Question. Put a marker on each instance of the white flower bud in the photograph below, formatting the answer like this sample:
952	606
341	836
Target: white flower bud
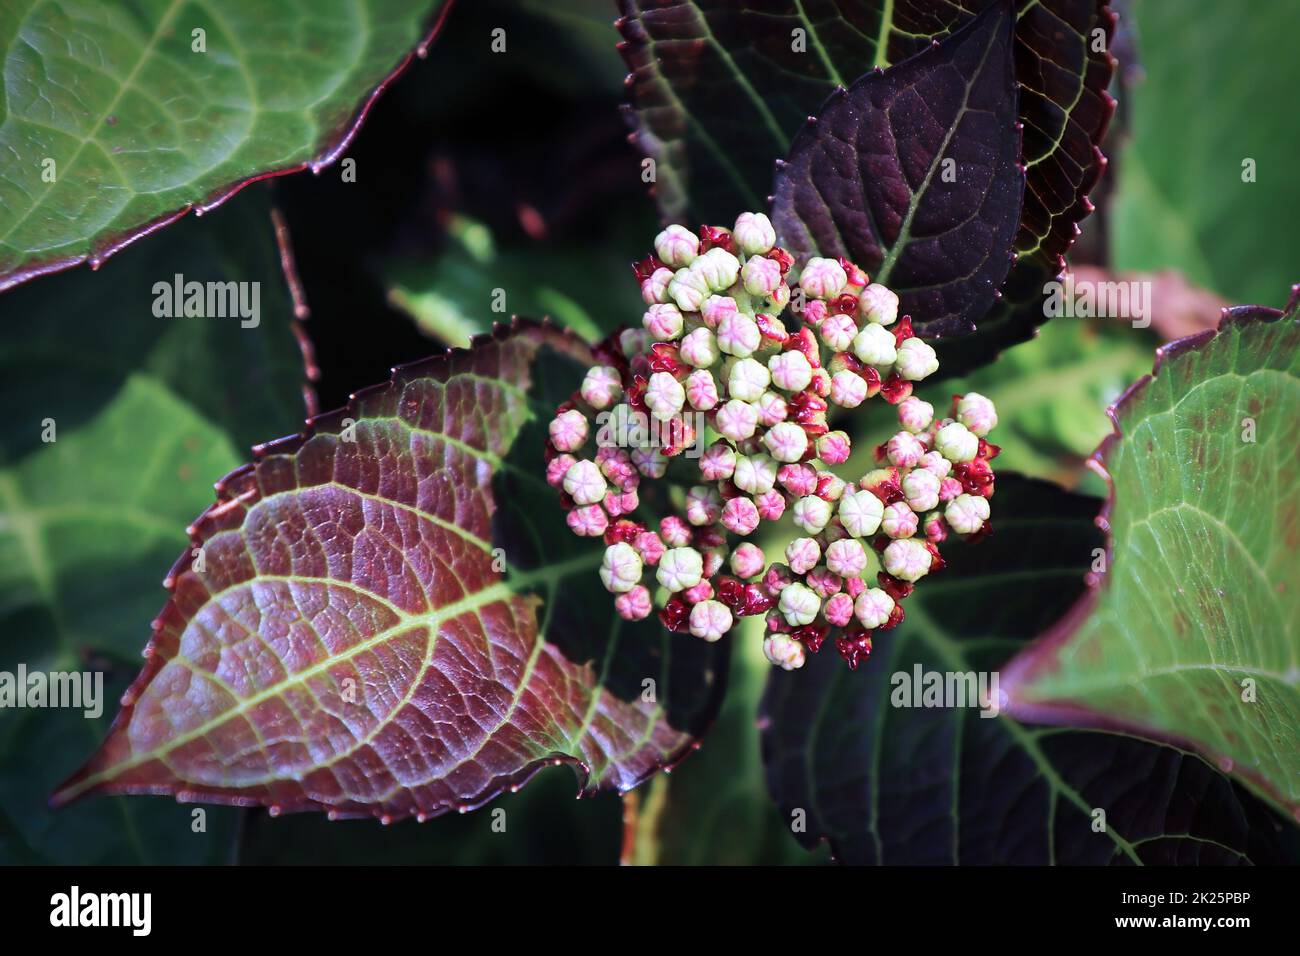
848	388
791	370
738	335
846	557
688	289
679	569
755	474
802	554
977	413
761	276
873	607
906	559
921	489
823	278
602	387
812	513
584	483
772	409
701	390
703	505
718	267
799	605
838	332
875	345
915	414
784	651
904	450
736	420
710	620
878	305
748	380
860	513
664	396
956	443
663	321
677	246
620	569
916	360
753	233
966	514
786	441
699	348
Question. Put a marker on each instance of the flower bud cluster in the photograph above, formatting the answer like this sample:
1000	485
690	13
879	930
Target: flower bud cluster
721	399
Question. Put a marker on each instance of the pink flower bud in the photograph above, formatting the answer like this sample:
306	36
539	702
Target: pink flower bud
710	620
676	246
650	548
772	408
823	278
664	396
747	560
703	505
589	521
830	487
899	521
716	308
663	321
675	532
799	480
771	505
655	288
846	557
568	430
802	554
878	305
602	387
977	413
949	488
738	335
834	448
699	348
718	462
740	515
760	276
936	464
838	332
904	450
823	582
838	609
688	289
633	342
556	469
634	605
701	390
777	579
936	529
701	592
915	415
815	312
713	562
873	608
650	462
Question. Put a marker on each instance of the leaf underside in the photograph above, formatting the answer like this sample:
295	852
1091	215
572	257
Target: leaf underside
114	122
914	174
355	641
1198	610
885	784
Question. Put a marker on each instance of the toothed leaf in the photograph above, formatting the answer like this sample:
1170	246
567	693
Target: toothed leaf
117	118
1191	633
388	624
887	784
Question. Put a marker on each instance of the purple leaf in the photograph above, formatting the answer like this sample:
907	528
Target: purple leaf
914	173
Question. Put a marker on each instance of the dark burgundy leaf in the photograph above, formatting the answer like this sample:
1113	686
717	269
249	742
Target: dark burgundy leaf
930	785
914	174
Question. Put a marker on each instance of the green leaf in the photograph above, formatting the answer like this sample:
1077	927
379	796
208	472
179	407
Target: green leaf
891	784
143	410
1192	634
119	118
388	622
1182	200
